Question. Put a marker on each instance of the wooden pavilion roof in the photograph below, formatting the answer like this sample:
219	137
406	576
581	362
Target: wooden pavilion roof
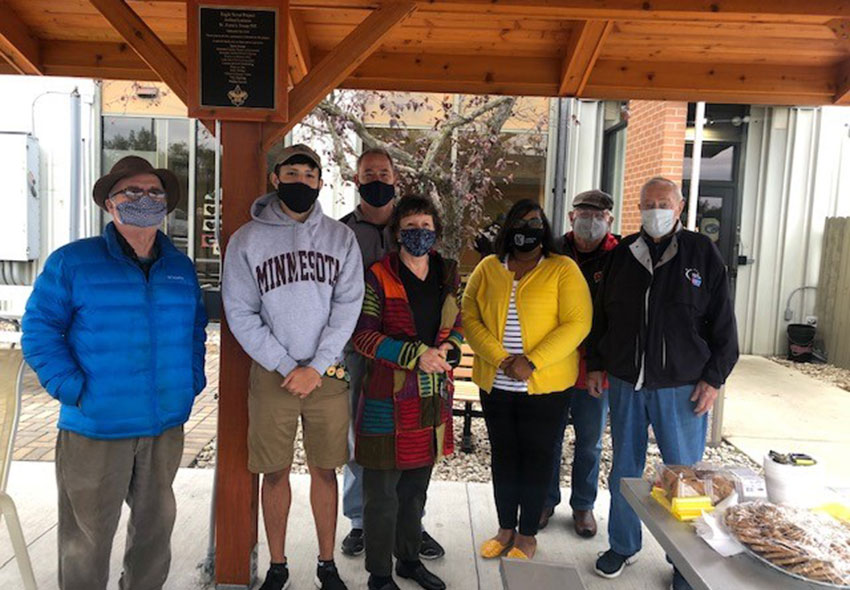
746	51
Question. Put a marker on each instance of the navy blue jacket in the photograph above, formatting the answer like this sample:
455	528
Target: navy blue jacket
664	325
123	353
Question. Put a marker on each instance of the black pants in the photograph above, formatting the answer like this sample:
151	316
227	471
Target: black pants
523	430
393	502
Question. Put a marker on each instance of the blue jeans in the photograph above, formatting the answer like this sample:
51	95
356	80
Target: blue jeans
680	435
589	415
352	473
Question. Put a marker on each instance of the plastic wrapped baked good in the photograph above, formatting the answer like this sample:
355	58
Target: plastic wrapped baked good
802	543
703	479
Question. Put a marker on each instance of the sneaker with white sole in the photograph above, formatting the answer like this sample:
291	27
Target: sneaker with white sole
611	564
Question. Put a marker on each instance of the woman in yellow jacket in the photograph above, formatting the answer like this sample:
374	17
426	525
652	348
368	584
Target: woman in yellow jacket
526	310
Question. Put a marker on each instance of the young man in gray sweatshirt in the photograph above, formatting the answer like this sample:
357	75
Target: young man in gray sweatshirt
292	290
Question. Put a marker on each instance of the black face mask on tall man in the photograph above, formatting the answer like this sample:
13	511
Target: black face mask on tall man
377	193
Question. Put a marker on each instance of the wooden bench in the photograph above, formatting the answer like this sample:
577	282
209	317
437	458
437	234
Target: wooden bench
466	392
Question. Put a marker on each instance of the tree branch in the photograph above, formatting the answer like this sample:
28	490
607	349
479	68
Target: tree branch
459	120
370	141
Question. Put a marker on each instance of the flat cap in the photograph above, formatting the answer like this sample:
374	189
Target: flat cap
594	198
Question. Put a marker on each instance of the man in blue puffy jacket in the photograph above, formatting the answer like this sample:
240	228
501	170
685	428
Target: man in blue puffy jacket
115	331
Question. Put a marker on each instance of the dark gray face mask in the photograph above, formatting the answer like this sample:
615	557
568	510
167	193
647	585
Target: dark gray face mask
143	212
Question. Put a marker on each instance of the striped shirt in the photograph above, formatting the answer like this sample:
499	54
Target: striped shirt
512	341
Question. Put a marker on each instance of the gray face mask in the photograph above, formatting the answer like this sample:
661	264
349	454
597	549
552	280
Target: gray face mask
143	212
590	229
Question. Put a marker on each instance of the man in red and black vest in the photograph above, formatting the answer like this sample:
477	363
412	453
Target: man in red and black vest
588	244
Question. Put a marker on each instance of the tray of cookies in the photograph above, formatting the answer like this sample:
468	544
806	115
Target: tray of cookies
804	544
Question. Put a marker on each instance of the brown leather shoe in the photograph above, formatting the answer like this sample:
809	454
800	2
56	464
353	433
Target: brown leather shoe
547	513
585	523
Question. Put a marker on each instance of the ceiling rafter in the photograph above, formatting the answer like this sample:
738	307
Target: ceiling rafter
17	44
582	52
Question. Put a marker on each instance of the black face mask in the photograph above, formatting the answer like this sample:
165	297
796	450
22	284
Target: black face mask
297	196
525	239
377	193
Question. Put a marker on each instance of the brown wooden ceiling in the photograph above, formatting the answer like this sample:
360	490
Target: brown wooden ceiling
749	51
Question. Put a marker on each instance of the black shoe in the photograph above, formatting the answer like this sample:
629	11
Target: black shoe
277	578
327	578
374	584
430	549
417	572
611	564
679	581
352	544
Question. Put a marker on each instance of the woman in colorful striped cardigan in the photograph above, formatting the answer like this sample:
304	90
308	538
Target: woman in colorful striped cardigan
410	331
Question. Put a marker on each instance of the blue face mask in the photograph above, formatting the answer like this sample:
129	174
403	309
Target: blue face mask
418	241
143	212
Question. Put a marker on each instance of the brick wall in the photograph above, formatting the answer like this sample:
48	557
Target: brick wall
655	146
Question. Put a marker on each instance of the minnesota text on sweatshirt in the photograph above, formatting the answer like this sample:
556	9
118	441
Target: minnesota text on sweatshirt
292	291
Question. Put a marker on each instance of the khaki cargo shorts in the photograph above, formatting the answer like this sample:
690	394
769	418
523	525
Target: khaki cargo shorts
273	416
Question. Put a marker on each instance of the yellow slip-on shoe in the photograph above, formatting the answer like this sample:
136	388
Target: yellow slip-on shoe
515	553
492	549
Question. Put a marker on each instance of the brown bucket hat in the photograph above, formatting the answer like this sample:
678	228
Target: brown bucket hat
130	166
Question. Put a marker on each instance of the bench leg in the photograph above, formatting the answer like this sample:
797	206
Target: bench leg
467	445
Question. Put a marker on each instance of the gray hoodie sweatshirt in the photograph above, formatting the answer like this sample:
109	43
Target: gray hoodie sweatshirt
292	291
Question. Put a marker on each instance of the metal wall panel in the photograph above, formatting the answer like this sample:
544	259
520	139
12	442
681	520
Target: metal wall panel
796	174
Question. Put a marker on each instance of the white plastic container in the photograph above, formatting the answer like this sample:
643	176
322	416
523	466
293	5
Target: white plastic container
794	485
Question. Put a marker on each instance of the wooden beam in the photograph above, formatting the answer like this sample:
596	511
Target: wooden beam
457	73
339	63
17	44
243	175
582	53
781	11
736	83
842	94
299	48
144	41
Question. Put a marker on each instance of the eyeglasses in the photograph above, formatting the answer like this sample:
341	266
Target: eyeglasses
590	214
533	223
134	193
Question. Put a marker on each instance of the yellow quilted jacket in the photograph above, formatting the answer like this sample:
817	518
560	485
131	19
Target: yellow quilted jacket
555	311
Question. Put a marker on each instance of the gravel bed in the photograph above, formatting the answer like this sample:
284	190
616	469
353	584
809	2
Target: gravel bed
475	466
820	371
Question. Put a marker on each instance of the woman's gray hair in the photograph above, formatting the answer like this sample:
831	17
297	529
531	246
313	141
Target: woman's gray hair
661	181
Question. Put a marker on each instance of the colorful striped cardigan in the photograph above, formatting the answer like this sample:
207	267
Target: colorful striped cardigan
404	420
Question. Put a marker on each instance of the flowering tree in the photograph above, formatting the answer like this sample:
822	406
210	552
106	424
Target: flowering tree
461	160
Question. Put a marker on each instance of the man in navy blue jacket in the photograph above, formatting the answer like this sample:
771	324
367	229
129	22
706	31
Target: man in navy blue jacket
664	330
115	330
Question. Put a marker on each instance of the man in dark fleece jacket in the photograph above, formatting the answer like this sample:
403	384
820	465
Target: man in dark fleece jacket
664	330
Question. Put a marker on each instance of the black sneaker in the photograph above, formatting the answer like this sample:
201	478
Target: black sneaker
382	583
277	578
352	544
679	582
611	564
430	549
327	578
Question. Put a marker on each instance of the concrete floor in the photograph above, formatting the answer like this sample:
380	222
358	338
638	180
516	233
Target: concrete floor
772	407
460	515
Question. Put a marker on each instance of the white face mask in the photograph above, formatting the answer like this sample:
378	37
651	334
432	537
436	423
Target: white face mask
590	229
658	222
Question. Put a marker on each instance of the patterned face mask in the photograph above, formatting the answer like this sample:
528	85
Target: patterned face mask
418	241
143	212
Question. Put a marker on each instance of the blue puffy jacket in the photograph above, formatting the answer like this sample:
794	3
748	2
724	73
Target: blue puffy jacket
123	353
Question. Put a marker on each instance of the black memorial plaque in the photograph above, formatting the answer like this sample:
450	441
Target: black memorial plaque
238	57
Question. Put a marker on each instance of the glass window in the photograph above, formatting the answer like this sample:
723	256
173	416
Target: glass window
207	253
718	162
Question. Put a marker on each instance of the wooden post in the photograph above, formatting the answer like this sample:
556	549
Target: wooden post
243	170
